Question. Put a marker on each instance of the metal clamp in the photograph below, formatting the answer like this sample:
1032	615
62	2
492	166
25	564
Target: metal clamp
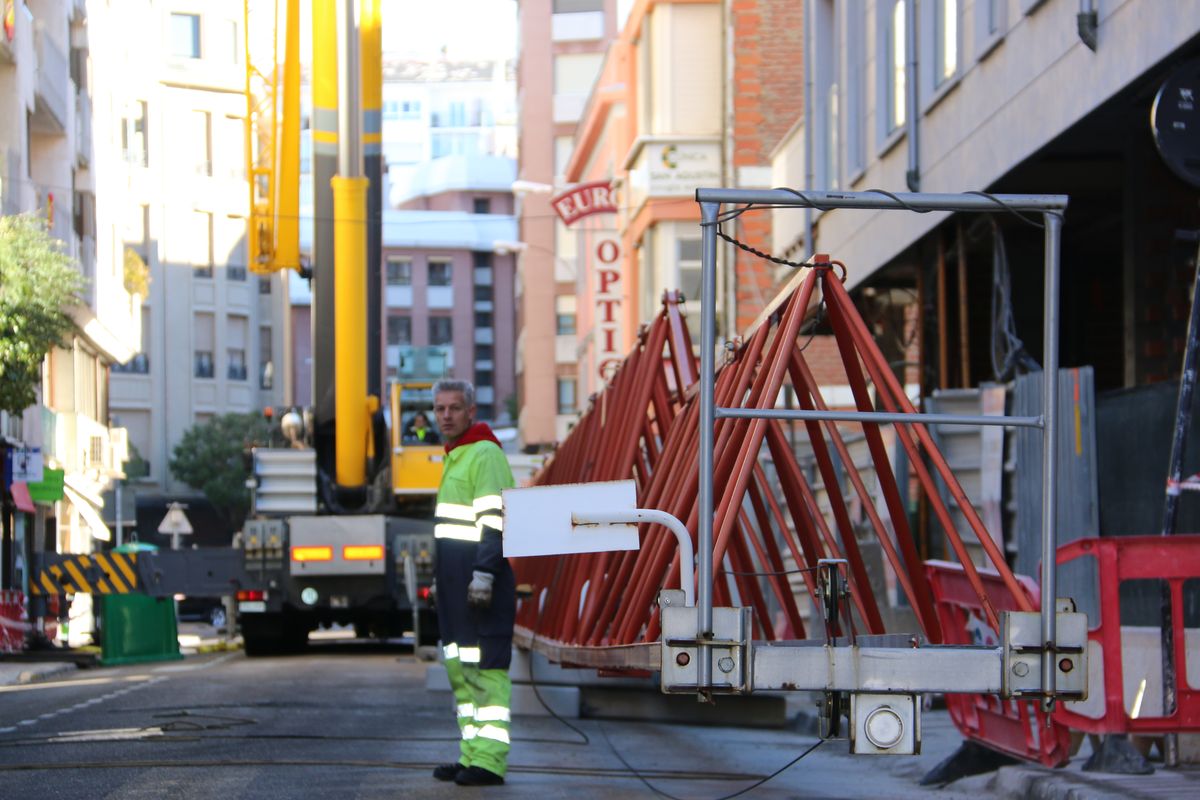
727	650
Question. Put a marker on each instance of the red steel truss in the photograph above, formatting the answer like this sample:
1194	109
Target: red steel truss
644	426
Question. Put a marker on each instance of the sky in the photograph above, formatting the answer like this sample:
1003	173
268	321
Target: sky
421	28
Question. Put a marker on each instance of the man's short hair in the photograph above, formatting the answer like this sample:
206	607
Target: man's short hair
468	391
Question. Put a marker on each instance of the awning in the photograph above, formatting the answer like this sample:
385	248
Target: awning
90	514
20	496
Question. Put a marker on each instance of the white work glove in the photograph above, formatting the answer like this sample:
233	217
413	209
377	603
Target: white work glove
479	592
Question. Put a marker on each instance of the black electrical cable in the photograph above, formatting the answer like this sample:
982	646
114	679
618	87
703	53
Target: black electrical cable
738	793
604	733
537	624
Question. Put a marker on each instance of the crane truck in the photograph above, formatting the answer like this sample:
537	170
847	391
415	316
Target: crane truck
341	522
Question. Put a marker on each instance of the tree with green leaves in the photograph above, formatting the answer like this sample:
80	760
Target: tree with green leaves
38	283
211	457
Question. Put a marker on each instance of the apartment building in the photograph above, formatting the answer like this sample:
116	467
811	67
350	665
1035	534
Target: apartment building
1052	96
448	274
212	332
449	138
562	50
1064	97
69	445
442	108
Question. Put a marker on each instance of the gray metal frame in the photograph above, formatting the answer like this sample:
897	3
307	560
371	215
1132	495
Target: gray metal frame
1050	207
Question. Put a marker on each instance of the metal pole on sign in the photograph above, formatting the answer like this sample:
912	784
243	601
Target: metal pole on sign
1183	419
1053	222
708	336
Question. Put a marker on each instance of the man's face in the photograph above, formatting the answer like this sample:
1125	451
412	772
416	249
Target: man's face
453	414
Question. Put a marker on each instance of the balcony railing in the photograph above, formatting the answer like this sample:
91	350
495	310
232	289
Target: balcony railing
53	80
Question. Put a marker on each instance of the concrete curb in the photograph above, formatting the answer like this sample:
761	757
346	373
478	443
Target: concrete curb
1036	783
14	674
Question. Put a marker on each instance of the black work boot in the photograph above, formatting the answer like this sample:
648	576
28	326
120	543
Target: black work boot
448	772
478	776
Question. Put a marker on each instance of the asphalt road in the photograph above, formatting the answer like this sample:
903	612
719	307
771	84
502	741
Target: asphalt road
348	720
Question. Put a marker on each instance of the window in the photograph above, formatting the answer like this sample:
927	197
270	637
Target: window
690	267
138	365
827	116
440	331
264	284
564	315
399	271
185	35
483	352
236	370
481	205
991	20
236	273
484	377
202	241
483	319
231	43
266	359
203	364
566	395
133	134
892	74
203	336
574	73
440	273
945	40
399	330
483	294
204	142
855	80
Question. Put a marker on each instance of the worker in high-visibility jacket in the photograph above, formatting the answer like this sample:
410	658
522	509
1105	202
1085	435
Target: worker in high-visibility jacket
476	593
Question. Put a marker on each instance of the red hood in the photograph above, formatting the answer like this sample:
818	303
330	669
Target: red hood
479	432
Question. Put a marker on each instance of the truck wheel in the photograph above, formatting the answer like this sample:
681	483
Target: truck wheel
262	637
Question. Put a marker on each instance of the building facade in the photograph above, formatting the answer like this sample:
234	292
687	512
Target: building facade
50	166
448	278
1017	96
212	332
688	94
562	46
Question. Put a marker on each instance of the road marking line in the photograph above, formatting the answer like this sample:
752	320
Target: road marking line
145	680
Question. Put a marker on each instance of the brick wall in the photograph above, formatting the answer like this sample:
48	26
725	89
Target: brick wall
768	83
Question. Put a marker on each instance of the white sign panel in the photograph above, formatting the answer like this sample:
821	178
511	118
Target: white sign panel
27	464
676	169
537	519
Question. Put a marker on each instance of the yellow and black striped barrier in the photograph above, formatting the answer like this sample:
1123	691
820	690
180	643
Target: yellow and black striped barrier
94	573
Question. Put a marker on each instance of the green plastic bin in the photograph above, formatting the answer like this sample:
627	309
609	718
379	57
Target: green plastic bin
135	627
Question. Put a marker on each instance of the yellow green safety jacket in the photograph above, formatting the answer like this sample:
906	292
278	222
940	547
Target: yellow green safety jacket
469	528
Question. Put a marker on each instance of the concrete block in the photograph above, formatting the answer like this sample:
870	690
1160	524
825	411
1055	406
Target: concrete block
547	673
564	700
436	679
747	711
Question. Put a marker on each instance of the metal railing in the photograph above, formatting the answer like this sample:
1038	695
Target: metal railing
1050	207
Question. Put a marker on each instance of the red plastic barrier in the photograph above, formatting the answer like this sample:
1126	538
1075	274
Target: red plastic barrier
13	621
1174	559
1015	727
